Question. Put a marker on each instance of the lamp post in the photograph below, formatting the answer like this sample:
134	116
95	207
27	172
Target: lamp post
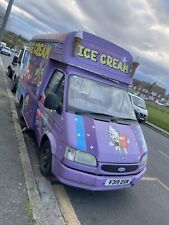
150	89
5	19
134	68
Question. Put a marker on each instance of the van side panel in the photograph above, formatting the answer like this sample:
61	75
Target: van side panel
34	70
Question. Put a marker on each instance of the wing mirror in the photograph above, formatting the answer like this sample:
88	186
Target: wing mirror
52	101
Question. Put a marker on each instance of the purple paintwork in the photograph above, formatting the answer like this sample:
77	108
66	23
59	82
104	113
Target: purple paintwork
77	178
112	144
97	136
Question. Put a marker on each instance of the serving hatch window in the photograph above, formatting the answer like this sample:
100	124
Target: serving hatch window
89	95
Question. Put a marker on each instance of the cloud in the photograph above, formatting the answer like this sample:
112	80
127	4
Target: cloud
141	26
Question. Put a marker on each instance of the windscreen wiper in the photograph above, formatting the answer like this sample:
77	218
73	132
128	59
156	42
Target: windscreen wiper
129	119
126	121
103	115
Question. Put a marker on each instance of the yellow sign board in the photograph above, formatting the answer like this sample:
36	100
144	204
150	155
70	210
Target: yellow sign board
40	49
104	59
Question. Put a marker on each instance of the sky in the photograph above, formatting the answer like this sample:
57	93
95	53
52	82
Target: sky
140	26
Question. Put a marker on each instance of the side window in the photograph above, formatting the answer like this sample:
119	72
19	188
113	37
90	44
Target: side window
25	56
25	65
56	86
54	82
20	55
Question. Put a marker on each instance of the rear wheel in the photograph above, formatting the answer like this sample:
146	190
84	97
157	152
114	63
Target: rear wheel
15	85
45	159
10	72
21	118
20	108
13	88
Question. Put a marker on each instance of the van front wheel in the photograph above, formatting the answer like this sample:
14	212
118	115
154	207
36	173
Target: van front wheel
45	159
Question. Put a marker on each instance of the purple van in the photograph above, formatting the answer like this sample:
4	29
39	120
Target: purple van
73	95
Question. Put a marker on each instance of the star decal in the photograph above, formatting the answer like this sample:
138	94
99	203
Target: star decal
110	143
124	59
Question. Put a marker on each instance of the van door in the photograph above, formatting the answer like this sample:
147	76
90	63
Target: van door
51	120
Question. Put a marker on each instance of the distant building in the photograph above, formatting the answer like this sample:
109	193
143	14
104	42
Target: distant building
149	91
167	100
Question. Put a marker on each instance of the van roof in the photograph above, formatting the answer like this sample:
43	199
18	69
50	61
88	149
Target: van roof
95	54
50	37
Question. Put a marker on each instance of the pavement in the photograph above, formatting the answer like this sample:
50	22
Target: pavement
13	194
21	201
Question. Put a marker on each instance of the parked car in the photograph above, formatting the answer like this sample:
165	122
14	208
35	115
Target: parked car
6	51
14	50
2	44
15	68
159	103
139	107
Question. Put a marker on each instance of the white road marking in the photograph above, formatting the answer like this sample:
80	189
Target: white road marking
164	154
162	184
149	178
157	180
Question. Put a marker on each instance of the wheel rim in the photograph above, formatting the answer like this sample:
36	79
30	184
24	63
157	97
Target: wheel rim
45	158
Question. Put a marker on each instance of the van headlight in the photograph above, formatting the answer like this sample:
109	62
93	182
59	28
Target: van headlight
80	157
144	160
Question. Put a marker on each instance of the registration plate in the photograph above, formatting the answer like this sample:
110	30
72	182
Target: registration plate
111	182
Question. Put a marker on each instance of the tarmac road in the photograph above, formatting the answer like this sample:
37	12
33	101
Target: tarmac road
145	204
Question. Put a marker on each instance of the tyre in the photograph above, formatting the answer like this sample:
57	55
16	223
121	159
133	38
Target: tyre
13	89
10	72
45	159
15	85
20	108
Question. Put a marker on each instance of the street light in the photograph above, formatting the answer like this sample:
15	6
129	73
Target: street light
5	19
150	89
134	68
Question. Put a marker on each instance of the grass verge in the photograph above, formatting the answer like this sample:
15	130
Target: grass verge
28	210
159	116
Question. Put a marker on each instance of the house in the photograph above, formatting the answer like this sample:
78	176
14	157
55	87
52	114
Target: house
150	91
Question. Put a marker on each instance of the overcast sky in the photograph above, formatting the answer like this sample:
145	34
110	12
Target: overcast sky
140	26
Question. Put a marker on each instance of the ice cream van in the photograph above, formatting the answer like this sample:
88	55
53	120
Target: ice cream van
73	94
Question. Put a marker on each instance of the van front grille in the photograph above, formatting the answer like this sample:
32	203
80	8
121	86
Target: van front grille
119	168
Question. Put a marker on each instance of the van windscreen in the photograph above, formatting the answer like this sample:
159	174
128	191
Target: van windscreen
97	97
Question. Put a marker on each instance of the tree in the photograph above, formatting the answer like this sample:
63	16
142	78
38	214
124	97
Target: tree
14	40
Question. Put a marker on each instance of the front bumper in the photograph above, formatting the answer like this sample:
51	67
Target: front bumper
88	181
141	116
